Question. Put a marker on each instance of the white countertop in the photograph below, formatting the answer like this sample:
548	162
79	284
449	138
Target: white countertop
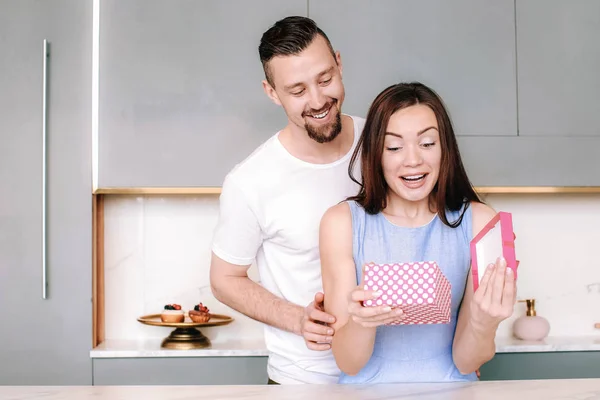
550	344
151	348
493	390
256	347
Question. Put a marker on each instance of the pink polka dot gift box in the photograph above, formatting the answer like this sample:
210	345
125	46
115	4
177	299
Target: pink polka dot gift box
420	289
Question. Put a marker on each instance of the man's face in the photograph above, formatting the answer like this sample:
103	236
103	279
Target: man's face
309	88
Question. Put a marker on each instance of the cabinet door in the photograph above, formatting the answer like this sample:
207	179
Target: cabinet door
527	161
549	365
181	371
558	48
463	49
181	100
45	341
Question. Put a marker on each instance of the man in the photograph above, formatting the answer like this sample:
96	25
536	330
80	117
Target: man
272	202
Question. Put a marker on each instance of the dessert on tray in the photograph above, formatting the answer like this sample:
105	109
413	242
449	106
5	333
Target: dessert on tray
172	313
200	313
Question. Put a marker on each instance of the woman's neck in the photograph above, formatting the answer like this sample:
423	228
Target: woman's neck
408	213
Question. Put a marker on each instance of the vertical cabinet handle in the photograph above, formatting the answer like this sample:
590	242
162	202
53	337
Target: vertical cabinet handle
44	193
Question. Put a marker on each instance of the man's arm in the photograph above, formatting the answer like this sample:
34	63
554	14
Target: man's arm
231	286
237	238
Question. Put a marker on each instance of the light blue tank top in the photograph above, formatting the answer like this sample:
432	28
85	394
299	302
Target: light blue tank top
413	353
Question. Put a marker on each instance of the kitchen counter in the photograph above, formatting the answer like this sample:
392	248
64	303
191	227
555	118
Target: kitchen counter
550	344
541	389
255	347
151	348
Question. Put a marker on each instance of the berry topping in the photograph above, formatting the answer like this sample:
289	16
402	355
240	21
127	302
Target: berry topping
201	307
172	307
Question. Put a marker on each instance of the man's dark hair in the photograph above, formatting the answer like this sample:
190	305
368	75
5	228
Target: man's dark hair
287	37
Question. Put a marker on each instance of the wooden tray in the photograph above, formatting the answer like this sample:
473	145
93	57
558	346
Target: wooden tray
215	320
185	336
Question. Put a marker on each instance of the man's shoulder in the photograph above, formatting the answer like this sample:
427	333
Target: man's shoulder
256	162
359	122
256	170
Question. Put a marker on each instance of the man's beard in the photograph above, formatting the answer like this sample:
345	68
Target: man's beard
327	133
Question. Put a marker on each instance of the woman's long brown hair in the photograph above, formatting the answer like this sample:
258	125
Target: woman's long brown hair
453	188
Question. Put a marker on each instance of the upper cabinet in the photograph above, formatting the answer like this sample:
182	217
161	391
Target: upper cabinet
180	93
463	49
531	160
181	100
558	64
558	48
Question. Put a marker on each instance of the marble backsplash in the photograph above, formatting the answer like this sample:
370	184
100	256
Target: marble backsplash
157	251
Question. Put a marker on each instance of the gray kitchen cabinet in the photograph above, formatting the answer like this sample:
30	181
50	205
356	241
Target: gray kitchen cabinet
548	365
252	370
180	93
181	371
531	160
45	341
463	49
558	53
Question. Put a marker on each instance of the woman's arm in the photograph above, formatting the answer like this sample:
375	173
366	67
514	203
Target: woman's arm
481	312
355	325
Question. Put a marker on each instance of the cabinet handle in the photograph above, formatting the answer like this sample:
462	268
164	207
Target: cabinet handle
44	192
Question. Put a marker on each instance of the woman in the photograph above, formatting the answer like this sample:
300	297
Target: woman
415	204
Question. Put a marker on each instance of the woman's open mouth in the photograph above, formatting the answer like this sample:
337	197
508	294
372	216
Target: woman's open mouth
414	181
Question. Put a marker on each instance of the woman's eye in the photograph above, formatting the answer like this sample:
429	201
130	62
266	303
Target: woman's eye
426	145
393	148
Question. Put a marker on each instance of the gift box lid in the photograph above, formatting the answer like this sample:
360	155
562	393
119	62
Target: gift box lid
496	239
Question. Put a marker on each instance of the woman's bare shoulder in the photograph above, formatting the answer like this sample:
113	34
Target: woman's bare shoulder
337	213
482	214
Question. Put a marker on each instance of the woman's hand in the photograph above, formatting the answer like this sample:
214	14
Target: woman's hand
494	300
370	317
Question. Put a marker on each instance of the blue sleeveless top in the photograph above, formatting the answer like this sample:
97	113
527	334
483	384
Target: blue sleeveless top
413	353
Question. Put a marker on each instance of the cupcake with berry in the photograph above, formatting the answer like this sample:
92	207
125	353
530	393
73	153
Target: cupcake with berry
200	313
172	313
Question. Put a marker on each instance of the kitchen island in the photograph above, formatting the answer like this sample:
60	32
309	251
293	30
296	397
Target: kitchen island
493	390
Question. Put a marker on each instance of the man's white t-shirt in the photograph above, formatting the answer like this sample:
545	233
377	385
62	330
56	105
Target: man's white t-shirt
271	206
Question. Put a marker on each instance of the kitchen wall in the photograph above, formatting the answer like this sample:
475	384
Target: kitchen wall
157	251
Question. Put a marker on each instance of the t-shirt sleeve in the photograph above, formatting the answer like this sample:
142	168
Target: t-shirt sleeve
237	236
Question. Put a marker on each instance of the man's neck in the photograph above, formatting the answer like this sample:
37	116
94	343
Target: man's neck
300	145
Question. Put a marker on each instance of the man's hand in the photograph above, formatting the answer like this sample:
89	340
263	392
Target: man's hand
314	325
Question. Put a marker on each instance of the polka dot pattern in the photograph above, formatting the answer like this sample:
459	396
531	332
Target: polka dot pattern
420	289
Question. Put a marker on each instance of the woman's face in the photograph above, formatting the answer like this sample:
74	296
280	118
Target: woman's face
412	153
